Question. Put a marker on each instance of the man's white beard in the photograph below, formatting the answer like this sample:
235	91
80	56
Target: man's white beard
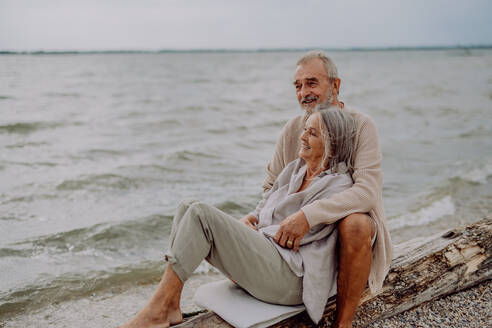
311	109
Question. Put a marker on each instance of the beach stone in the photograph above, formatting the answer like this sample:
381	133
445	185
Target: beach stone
471	308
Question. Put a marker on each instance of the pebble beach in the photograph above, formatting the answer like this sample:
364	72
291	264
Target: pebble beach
470	308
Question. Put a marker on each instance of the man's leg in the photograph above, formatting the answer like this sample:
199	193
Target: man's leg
355	233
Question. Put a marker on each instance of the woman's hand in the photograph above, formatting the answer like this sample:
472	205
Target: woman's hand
250	221
291	231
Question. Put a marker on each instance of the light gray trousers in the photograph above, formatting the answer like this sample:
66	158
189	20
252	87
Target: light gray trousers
201	231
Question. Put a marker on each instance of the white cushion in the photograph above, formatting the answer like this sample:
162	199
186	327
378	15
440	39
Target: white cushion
239	308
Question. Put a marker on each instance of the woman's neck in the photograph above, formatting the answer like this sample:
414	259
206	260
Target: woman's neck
312	170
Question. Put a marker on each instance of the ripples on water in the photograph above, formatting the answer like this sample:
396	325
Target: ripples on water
97	151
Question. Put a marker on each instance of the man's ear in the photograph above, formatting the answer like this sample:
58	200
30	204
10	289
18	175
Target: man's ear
336	84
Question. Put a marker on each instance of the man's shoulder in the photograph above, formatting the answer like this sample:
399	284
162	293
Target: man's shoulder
357	113
293	126
360	117
295	122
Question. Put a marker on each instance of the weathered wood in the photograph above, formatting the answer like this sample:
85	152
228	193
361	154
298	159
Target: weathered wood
205	320
422	270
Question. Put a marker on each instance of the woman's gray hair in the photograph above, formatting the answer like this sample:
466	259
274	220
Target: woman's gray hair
338	128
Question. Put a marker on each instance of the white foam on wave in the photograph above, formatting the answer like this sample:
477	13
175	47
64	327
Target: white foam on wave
479	175
425	215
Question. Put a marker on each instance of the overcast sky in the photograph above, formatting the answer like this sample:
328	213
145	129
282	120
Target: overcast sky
234	24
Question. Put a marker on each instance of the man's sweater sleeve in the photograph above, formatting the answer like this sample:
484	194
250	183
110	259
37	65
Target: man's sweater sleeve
286	150
275	166
367	176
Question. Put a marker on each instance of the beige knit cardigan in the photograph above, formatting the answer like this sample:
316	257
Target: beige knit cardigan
365	196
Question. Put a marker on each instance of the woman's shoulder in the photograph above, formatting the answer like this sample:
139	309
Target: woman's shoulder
294	166
338	174
333	183
291	169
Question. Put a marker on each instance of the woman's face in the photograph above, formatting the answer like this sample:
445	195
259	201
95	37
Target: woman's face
312	142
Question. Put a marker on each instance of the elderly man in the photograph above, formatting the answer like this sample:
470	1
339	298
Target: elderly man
365	249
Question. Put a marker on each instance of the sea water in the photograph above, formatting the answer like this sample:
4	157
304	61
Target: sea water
96	151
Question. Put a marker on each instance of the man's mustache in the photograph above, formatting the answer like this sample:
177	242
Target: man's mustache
308	99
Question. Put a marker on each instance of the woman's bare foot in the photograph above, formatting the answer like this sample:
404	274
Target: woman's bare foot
153	317
163	309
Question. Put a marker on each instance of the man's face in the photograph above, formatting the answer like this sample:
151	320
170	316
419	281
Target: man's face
312	84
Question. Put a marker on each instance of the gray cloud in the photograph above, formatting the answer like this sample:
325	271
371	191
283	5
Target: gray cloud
152	24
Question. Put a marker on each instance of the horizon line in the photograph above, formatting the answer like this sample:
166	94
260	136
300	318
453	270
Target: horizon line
246	50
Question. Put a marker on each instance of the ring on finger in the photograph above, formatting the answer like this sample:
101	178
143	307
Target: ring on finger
289	243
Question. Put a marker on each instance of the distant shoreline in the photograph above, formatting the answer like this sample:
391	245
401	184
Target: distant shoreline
260	50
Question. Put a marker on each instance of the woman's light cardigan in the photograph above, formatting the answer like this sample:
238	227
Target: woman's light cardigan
316	259
365	196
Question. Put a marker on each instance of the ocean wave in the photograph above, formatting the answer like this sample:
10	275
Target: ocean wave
151	101
150	168
480	131
49	290
194	108
100	239
233	207
466	181
32	164
479	174
72	286
8	218
23	144
27	198
467	173
10	252
27	127
99	153
187	155
96	154
425	215
157	125
101	182
106	238
62	94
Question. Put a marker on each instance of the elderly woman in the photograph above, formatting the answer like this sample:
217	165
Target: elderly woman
257	252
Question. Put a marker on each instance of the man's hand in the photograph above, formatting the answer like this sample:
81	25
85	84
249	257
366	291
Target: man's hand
250	221
291	231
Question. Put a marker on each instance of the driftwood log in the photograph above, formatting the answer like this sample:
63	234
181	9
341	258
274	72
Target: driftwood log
423	269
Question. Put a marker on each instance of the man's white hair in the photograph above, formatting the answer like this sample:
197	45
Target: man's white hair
331	69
